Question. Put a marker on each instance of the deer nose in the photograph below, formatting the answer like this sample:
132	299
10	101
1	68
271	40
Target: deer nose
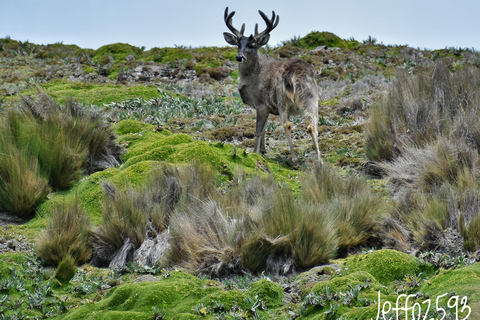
240	58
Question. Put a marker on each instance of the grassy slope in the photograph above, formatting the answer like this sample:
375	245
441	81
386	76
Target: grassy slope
341	143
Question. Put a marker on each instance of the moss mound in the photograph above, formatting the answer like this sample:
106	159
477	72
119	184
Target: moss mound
316	38
118	51
180	296
270	292
385	265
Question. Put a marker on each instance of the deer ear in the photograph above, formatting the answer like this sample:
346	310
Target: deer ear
230	38
263	39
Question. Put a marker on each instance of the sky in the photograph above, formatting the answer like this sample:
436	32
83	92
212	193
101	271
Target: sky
162	23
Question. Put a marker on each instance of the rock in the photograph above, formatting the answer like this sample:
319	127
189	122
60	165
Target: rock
152	250
122	256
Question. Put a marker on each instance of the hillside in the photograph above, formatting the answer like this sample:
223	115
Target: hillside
141	161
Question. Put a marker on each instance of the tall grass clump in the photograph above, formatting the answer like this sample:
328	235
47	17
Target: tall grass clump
66	235
124	222
57	143
22	188
130	215
422	107
348	201
205	240
430	122
284	228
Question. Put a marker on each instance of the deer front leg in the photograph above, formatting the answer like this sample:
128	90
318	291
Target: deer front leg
262	118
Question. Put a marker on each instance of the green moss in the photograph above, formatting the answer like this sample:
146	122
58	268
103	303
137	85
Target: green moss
96	94
177	295
345	283
385	265
132	126
316	38
270	292
118	51
463	281
89	69
165	55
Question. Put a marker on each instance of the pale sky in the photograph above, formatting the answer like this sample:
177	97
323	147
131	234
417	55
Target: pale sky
161	23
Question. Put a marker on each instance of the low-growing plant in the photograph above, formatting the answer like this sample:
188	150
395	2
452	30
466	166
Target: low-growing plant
205	240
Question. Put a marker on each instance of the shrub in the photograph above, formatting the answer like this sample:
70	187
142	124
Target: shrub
44	140
66	235
67	269
289	228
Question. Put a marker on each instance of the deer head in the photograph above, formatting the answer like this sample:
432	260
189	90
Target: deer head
248	46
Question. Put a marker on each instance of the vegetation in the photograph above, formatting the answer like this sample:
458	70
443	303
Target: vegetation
50	143
430	138
109	181
65	236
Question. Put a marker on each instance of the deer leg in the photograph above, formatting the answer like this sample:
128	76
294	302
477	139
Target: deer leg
288	130
313	126
288	133
262	118
313	130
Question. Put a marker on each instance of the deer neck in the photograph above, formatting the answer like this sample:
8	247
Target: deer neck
251	68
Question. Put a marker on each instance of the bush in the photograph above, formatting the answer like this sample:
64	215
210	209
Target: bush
289	228
66	235
205	240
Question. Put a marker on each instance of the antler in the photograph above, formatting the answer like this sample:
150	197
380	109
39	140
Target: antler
271	24
228	22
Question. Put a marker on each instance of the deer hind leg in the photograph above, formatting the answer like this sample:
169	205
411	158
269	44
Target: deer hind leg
288	129
288	133
313	129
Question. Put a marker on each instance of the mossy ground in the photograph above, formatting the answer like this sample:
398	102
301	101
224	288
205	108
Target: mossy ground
178	295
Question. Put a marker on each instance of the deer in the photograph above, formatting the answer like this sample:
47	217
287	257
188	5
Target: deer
280	87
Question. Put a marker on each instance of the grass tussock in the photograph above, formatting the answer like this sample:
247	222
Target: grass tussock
348	201
124	220
428	124
22	188
57	143
205	240
66	236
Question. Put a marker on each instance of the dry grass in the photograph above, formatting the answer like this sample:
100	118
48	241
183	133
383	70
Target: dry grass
124	219
348	201
66	236
205	241
426	133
